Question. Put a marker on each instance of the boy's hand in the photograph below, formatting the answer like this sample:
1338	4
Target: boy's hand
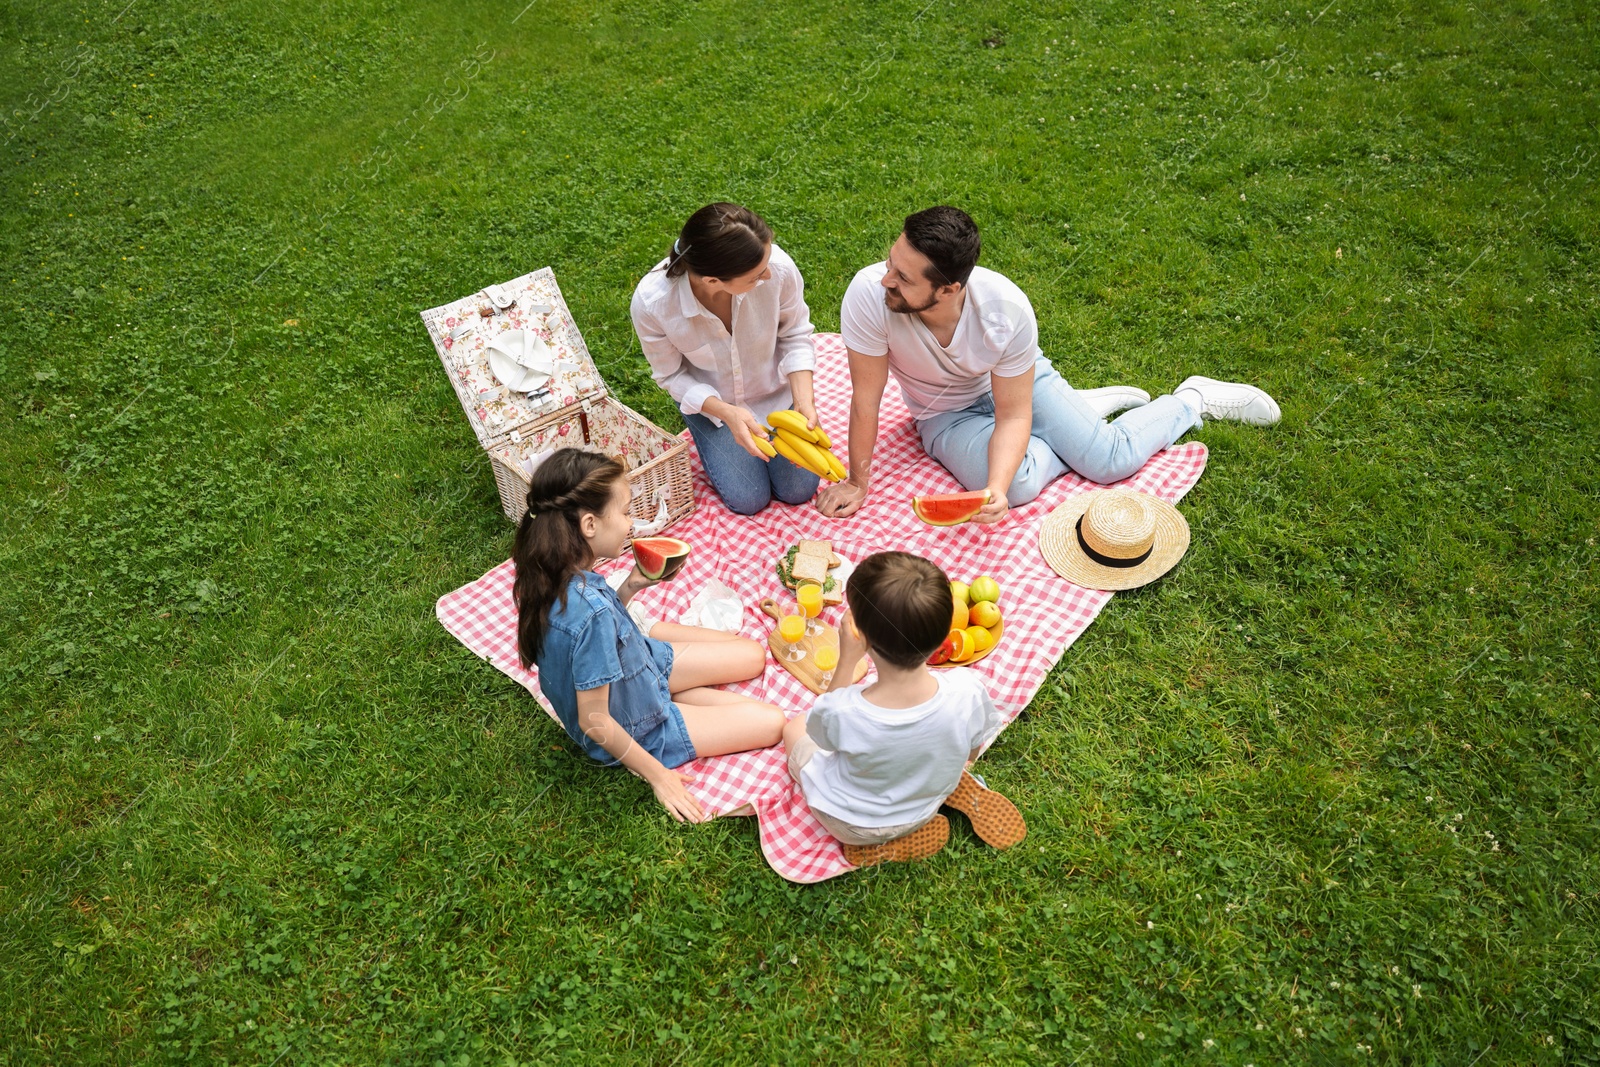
852	646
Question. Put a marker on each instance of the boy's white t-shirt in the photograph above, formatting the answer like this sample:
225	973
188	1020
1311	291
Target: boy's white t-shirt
997	333
888	766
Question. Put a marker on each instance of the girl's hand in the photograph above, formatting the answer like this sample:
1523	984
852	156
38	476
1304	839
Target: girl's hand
746	427
675	798
808	408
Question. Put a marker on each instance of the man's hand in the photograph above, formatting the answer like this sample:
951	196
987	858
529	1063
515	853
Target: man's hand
842	499
995	509
746	427
668	787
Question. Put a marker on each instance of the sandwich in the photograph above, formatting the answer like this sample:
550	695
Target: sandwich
810	561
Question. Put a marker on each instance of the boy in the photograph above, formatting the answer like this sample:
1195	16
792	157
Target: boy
876	762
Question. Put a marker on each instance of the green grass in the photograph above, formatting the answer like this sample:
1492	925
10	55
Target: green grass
1327	794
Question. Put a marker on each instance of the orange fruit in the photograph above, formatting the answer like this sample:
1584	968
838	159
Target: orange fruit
958	616
984	613
962	646
982	639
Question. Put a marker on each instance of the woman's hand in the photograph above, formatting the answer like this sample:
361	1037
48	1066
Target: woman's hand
804	400
668	787
746	428
808	408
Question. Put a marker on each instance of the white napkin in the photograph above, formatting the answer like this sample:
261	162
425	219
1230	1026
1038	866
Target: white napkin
531	463
717	607
521	360
659	523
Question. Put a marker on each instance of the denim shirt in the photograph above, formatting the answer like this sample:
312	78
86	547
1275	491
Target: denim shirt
592	642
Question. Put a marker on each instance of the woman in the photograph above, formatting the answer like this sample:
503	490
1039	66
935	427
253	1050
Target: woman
724	323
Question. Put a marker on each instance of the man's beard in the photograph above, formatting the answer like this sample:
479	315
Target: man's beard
891	296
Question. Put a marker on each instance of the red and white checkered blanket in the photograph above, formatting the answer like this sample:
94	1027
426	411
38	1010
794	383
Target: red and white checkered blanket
1044	613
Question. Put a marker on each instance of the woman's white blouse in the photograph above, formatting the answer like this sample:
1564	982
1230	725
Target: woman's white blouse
694	358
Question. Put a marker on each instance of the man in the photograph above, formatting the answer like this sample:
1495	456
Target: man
963	343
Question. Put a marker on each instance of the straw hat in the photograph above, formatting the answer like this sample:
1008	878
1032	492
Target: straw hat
1113	538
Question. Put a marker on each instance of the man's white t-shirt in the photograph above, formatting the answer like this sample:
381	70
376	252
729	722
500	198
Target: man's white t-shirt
888	766
997	333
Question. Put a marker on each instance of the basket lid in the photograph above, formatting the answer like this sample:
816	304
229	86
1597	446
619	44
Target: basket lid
531	338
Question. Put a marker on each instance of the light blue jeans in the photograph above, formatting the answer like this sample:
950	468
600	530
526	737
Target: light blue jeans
745	483
1067	435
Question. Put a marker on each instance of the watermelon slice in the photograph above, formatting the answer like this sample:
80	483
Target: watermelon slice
659	558
948	509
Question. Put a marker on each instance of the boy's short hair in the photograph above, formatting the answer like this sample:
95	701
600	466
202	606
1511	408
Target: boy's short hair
902	605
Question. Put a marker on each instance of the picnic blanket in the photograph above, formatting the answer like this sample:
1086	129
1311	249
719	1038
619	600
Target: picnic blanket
1044	613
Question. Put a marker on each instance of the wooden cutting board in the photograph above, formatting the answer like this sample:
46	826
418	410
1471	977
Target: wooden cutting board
805	669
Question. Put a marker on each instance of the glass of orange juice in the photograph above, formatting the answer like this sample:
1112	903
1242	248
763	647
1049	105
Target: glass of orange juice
792	628
810	596
827	658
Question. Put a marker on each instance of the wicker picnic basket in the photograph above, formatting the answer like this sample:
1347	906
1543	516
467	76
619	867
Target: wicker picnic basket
572	409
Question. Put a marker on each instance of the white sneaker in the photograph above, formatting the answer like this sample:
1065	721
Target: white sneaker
1230	400
1110	399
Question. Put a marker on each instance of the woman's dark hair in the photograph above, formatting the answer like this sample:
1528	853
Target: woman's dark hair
902	605
949	238
550	547
720	241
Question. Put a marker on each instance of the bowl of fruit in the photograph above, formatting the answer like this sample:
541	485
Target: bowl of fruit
975	624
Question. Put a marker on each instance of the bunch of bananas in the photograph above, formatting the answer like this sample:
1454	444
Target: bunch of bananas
802	446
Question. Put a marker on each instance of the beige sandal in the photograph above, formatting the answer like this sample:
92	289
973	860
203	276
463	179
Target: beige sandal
926	840
995	820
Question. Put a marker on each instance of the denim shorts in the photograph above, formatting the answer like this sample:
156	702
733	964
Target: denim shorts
669	740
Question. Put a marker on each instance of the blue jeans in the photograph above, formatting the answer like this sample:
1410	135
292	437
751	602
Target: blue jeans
1067	435
745	483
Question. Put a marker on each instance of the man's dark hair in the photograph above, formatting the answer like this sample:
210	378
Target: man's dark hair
949	238
902	605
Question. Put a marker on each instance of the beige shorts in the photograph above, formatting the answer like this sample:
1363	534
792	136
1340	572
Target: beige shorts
800	755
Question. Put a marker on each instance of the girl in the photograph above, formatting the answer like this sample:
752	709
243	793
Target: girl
623	697
724	323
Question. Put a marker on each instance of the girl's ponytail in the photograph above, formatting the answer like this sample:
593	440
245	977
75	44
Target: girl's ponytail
550	546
